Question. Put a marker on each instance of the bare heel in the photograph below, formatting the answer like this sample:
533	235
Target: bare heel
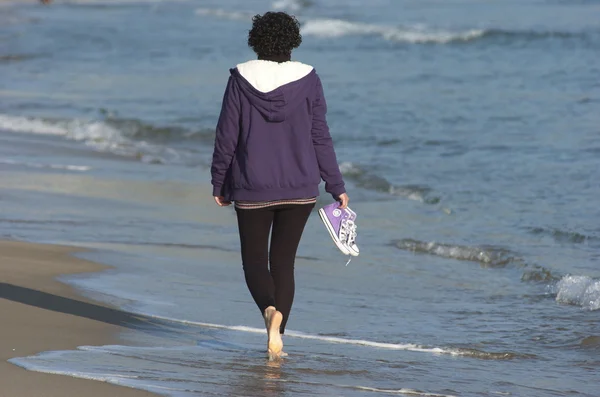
273	320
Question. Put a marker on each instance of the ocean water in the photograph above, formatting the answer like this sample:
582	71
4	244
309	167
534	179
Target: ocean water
469	136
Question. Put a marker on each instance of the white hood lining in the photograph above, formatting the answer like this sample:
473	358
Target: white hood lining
267	76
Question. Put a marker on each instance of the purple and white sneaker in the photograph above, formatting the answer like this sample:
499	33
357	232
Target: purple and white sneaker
340	225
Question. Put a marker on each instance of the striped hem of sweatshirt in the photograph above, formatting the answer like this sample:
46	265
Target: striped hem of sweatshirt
254	205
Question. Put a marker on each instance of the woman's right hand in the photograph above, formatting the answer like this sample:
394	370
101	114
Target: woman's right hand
344	200
220	200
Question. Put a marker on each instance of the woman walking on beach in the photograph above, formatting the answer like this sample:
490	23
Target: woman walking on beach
272	148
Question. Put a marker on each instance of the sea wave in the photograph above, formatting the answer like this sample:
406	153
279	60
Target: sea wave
139	130
410	34
116	3
225	14
367	180
328	27
581	291
539	274
452	351
16	57
488	256
563	236
68	167
291	5
406	392
576	290
129	138
422	34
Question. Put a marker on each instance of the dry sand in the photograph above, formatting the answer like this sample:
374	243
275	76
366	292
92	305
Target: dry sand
38	313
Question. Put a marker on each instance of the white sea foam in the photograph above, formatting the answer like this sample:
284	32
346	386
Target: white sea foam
46	362
490	256
330	339
583	291
95	134
119	2
329	27
26	124
79	130
225	14
289	5
98	135
406	392
368	180
80	168
410	34
36	363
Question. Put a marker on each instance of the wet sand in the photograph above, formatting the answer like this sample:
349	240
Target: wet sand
39	314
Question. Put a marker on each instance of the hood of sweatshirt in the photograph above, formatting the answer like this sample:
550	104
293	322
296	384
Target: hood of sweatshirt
275	89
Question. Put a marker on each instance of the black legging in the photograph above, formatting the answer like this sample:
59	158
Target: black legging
274	287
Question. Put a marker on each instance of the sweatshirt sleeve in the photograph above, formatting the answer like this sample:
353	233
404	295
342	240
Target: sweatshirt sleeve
226	137
323	144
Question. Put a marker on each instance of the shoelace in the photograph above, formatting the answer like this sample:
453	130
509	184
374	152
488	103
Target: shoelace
348	234
344	231
351	239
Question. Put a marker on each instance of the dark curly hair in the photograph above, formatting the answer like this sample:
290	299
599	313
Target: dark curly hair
274	34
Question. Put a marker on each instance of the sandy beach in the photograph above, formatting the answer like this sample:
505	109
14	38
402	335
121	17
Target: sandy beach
40	314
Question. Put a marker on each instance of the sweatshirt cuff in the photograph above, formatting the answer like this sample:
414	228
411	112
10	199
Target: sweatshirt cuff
217	191
337	191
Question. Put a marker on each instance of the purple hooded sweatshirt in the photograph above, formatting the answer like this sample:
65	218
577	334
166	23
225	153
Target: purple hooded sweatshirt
272	140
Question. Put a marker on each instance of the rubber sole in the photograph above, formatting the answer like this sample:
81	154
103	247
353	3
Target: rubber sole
353	253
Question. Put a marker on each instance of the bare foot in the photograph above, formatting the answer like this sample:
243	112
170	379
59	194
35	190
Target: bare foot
273	320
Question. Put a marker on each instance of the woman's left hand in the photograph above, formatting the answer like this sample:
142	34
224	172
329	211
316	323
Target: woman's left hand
220	200
344	200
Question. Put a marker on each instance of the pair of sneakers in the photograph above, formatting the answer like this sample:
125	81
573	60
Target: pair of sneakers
341	225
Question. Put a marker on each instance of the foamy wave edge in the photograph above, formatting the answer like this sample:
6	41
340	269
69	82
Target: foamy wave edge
96	134
68	167
225	14
411	34
291	5
331	28
328	28
132	381
301	335
367	180
406	392
581	291
470	353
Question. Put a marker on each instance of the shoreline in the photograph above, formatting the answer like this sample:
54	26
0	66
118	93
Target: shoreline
17	2
39	313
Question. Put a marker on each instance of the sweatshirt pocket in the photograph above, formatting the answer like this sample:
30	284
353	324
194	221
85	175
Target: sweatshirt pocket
236	174
245	175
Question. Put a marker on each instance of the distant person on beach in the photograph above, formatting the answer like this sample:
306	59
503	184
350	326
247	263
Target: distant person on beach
272	148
